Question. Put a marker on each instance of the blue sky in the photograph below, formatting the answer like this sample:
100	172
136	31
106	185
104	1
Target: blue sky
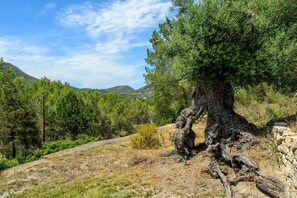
95	44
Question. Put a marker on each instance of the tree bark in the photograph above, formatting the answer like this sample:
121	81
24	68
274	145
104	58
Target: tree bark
227	134
13	150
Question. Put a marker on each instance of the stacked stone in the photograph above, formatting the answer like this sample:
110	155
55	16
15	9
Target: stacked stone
286	141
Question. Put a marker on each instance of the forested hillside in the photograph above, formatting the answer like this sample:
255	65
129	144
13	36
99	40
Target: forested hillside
19	73
36	116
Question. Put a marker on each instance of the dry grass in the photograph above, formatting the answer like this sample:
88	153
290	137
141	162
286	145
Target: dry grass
117	170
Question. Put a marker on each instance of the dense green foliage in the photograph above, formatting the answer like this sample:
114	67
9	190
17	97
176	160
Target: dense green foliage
55	146
19	73
5	163
146	137
244	42
18	124
262	103
72	115
240	42
68	113
170	97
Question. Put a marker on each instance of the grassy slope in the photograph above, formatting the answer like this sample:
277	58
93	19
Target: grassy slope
117	170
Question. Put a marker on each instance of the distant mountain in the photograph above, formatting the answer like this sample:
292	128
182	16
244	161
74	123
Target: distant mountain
145	92
19	73
127	91
147	89
124	89
141	93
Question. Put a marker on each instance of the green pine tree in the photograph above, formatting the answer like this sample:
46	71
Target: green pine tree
72	115
18	127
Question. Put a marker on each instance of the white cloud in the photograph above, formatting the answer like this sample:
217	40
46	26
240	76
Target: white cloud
84	69
116	26
47	7
15	46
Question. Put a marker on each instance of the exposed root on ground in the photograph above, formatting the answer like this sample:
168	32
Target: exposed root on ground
227	136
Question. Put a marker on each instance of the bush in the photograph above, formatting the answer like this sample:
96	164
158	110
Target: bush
6	163
261	104
55	146
146	137
47	148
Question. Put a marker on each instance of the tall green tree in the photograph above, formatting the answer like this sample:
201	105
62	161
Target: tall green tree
127	113
51	91
217	45
106	103
72	115
170	96
18	127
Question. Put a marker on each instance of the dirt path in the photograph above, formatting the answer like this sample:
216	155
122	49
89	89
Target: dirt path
61	153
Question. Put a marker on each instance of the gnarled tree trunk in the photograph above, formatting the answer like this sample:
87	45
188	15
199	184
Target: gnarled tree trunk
227	135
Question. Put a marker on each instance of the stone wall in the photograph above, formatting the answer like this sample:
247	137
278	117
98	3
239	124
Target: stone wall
286	141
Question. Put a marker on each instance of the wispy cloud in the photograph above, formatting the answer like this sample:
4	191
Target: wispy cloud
47	7
84	69
116	26
97	48
15	46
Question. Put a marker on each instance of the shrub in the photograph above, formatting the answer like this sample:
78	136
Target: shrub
146	137
6	163
55	146
262	103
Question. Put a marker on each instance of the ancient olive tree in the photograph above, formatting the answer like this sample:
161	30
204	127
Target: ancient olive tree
219	44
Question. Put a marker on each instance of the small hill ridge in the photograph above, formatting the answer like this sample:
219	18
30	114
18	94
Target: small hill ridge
19	73
124	89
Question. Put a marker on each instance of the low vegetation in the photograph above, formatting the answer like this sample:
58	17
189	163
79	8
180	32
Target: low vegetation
146	137
5	163
262	103
55	146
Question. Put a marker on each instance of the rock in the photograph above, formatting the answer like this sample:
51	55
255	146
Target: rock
295	153
293	144
286	140
278	123
294	183
279	139
289	132
281	123
290	168
278	130
282	131
283	149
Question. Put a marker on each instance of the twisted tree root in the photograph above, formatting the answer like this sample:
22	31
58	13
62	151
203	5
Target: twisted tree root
227	135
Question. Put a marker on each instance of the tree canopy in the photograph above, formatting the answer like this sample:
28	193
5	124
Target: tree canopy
242	42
